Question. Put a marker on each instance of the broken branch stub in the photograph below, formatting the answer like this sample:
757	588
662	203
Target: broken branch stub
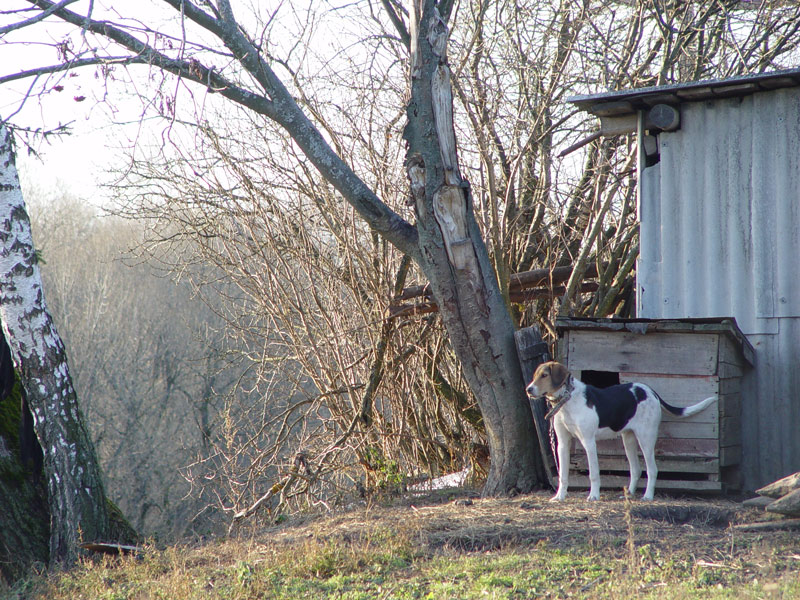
442	99
450	208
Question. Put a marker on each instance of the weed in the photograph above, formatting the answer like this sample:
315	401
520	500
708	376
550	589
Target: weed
630	544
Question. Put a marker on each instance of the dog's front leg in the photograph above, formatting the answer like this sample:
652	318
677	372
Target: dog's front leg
564	438
594	468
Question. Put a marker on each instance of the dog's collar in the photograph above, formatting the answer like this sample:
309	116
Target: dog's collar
564	393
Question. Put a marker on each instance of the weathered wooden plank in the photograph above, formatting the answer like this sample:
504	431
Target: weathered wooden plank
719	326
618	124
688	429
700	448
728	352
729	370
730	455
665	448
562	349
787	505
730	405
757	502
680	390
775	525
730	430
736	351
533	351
611	482
707	417
618	463
669	354
732	386
781	487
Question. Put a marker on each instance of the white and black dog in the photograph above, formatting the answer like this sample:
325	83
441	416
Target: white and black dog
632	410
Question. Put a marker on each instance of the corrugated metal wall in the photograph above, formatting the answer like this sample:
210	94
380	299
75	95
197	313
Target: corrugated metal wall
720	236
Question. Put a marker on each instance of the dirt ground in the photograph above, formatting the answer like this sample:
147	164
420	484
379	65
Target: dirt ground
460	521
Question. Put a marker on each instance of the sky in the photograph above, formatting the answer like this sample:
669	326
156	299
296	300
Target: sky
103	115
73	163
71	160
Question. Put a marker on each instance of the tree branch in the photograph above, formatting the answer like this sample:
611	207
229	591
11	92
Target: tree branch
402	30
40	17
279	106
83	62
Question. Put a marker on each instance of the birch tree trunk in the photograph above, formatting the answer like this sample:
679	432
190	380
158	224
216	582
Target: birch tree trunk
456	262
75	492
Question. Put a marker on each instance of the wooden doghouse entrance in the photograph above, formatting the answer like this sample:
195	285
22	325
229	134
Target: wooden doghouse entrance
684	361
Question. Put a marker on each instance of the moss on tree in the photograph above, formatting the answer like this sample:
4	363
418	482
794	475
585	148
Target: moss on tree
24	513
10	417
24	517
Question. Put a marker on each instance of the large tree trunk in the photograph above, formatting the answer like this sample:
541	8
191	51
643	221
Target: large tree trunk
456	262
75	492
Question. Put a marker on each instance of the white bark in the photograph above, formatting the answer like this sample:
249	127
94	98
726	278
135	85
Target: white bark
75	492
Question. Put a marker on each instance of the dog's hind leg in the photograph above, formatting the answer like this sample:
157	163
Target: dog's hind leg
632	452
648	445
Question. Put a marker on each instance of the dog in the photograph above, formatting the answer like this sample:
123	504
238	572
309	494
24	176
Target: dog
632	410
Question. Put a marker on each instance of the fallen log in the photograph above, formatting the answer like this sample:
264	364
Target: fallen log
776	525
788	505
757	502
781	487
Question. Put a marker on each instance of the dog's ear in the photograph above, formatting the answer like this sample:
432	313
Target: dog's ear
558	374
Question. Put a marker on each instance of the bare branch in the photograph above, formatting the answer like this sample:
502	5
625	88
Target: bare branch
40	17
74	64
397	21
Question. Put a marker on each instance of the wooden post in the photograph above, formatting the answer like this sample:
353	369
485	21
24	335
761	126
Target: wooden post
532	352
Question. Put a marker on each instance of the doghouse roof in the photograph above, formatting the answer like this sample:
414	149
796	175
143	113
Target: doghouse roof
625	102
724	325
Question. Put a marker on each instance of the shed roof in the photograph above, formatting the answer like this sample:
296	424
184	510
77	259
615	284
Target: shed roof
625	102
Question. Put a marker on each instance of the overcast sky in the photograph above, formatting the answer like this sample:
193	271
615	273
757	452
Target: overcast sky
78	161
74	162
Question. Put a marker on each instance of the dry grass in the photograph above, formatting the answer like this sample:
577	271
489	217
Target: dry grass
465	523
455	545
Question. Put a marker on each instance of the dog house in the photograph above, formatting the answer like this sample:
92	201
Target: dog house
718	174
684	361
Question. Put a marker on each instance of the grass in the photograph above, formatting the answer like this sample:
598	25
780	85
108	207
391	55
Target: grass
504	549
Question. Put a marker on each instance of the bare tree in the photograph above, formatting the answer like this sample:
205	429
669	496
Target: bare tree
446	242
306	306
509	66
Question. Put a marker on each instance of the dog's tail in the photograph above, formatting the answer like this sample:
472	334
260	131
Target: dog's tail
687	411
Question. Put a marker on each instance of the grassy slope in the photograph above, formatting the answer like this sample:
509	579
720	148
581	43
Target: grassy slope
434	547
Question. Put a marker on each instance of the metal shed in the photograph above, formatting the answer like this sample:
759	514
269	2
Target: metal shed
719	209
